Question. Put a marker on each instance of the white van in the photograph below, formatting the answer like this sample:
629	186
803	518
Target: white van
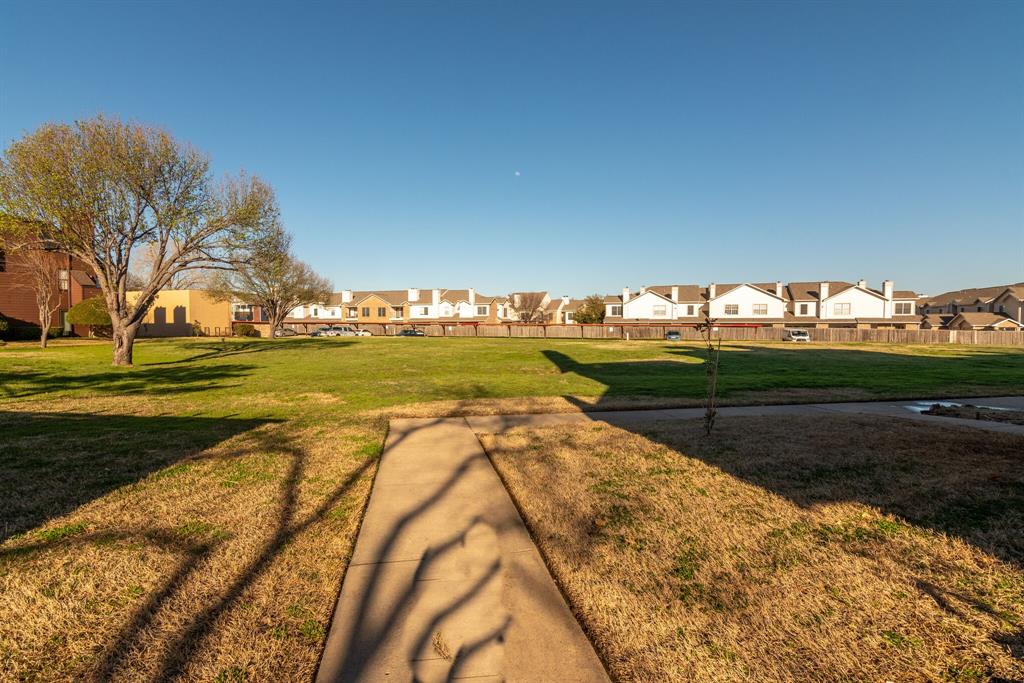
796	335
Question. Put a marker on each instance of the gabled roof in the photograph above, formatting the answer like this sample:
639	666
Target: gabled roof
395	297
982	319
83	278
633	298
972	295
1016	291
687	293
767	288
848	286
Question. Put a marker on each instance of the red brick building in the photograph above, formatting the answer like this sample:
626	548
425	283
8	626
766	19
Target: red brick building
18	300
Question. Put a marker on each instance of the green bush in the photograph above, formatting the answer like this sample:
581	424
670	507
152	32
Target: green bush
92	312
3	327
246	330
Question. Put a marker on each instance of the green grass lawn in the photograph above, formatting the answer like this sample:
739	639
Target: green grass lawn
193	515
381	372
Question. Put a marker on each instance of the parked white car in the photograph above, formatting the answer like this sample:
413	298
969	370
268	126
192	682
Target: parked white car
796	335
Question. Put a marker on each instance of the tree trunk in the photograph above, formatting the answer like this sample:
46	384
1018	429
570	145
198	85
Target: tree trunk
44	324
276	322
124	344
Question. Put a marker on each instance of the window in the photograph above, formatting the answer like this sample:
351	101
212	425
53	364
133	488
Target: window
803	309
352	311
841	309
906	308
63	283
241	312
660	311
568	316
381	311
481	310
313	312
616	310
760	309
365	312
732	309
689	309
425	310
397	312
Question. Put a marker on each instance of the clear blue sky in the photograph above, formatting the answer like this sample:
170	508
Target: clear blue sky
657	143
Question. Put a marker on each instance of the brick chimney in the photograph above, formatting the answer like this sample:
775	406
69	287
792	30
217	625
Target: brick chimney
625	294
675	294
413	294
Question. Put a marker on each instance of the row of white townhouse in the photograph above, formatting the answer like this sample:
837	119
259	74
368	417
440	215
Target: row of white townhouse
774	304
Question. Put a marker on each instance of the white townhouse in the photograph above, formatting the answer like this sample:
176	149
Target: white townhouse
772	304
659	303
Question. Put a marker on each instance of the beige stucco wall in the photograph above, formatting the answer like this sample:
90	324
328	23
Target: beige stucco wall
175	310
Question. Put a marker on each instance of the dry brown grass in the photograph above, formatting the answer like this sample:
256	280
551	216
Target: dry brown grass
969	412
224	566
798	549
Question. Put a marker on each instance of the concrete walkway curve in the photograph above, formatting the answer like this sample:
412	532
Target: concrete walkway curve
445	582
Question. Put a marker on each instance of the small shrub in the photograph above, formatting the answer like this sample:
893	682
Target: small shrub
246	330
92	312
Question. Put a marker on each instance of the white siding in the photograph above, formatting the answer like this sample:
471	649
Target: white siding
861	304
649	306
744	297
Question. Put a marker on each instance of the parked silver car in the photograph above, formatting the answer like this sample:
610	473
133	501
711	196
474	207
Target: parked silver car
796	335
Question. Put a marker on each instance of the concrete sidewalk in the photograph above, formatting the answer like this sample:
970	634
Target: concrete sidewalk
445	582
495	424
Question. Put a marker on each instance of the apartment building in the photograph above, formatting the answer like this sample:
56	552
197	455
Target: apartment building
770	304
1004	300
411	305
75	283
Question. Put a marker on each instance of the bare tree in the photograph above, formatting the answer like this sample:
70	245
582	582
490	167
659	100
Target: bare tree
712	351
141	268
40	270
528	306
266	274
101	189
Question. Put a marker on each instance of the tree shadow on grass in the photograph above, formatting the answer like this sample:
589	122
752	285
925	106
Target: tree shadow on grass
968	484
51	463
800	374
138	380
210	350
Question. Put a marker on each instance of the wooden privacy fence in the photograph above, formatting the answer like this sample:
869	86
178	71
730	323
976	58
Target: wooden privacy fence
652	331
